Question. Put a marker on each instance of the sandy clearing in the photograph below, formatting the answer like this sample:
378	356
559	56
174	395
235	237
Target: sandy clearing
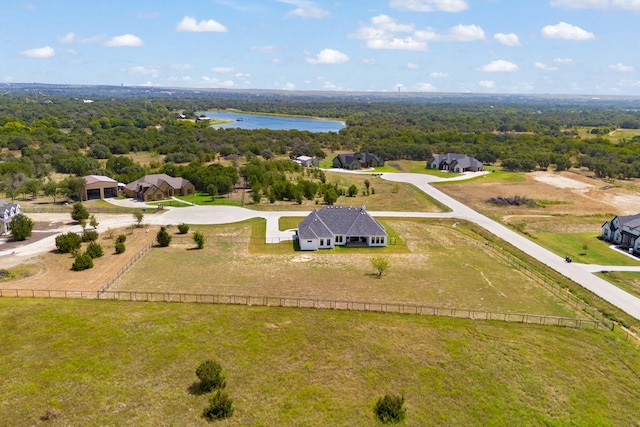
560	181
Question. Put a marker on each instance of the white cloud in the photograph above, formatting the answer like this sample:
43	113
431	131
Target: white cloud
598	4
621	68
71	37
413	66
213	82
263	49
566	31
126	40
368	62
328	56
382	34
425	87
487	84
459	33
39	52
545	67
181	66
430	5
306	9
189	24
499	66
152	71
510	39
563	61
222	69
439	75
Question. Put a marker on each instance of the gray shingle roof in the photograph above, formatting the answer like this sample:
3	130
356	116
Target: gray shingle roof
341	220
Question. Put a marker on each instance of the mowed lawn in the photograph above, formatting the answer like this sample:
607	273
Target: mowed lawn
434	263
97	363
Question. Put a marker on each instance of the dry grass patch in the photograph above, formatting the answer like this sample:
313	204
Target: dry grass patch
52	270
443	267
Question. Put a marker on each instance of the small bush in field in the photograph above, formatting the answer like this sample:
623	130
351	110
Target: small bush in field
68	243
120	248
163	237
183	228
82	262
220	407
390	409
121	238
198	239
210	375
94	250
89	235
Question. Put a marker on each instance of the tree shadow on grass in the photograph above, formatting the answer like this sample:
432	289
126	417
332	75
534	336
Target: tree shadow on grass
196	389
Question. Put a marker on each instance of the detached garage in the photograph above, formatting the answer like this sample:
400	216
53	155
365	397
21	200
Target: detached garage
99	187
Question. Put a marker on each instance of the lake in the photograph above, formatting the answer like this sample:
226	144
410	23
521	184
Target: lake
256	121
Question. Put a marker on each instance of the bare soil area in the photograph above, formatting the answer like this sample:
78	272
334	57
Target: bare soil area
564	193
52	271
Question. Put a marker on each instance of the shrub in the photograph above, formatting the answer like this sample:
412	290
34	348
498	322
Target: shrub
390	409
210	375
121	238
21	227
120	247
198	238
163	237
94	250
220	406
183	228
89	235
82	262
68	243
79	212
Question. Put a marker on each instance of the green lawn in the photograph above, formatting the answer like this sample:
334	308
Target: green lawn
97	363
627	280
583	247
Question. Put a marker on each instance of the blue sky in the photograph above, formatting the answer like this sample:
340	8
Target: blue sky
585	47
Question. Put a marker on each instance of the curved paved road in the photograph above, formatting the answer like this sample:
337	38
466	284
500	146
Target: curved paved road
579	273
574	271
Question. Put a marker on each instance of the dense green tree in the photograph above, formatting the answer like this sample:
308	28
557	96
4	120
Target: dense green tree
198	239
163	237
79	212
68	242
21	227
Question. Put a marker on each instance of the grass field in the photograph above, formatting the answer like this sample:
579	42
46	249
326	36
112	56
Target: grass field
627	280
97	363
433	264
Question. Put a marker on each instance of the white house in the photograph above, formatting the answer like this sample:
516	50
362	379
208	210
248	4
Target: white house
454	162
623	231
340	226
7	212
306	161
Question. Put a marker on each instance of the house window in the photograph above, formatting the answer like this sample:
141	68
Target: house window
328	242
382	240
321	242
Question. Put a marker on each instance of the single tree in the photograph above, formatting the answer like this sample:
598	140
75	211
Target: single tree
220	407
138	216
79	212
82	262
390	409
93	222
198	238
353	190
50	189
68	243
381	264
21	227
94	250
183	228
163	237
210	375
330	196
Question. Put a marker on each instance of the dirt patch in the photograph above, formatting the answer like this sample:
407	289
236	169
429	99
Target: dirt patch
53	270
565	193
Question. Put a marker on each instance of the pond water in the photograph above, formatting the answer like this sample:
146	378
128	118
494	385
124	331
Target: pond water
256	121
